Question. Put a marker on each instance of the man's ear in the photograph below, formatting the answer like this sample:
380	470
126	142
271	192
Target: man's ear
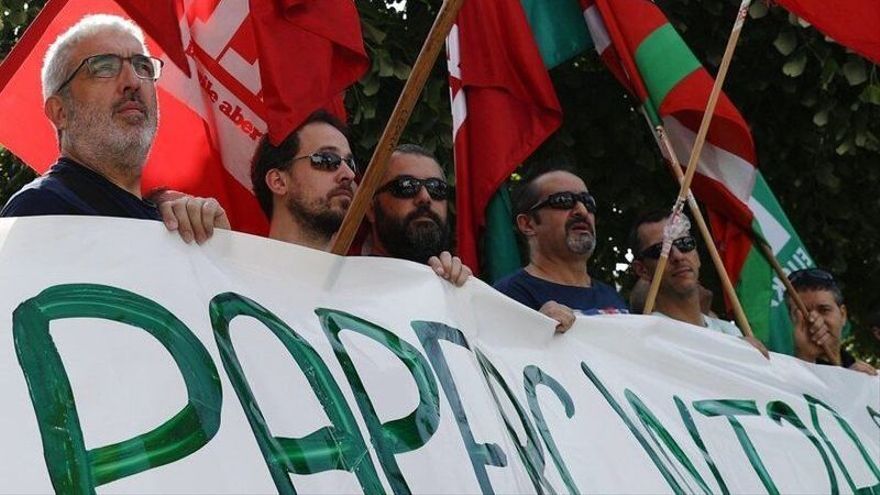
525	224
277	181
641	270
56	112
843	311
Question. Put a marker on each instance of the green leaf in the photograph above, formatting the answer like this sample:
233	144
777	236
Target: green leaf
844	147
871	94
371	85
401	70
758	10
17	17
829	69
373	33
855	71
820	118
386	66
785	42
795	66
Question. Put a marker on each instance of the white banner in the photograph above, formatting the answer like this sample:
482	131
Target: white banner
133	363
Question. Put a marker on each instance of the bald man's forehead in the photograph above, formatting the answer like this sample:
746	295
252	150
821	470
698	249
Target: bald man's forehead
557	181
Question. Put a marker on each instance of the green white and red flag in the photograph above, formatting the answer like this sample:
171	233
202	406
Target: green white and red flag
653	62
503	107
227	81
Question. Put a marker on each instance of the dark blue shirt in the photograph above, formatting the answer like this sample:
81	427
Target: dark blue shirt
69	188
534	292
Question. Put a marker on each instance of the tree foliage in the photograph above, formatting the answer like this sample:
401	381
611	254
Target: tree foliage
814	109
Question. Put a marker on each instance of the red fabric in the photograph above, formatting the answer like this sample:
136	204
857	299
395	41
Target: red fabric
734	245
160	19
852	23
612	60
511	108
329	57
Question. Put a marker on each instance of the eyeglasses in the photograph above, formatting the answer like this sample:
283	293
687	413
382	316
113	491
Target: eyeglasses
329	161
684	244
108	65
567	200
407	186
812	276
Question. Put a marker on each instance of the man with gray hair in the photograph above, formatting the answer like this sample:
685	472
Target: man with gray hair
99	91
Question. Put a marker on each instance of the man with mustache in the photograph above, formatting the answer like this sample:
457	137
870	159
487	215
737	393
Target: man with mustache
99	91
680	294
306	184
556	215
408	214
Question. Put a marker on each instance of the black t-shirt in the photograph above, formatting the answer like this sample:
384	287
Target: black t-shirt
534	292
69	188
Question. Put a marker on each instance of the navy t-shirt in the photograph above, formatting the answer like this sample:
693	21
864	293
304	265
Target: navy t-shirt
534	292
69	188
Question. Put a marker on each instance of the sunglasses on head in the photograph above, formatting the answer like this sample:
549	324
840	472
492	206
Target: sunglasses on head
407	186
812	276
566	200
329	161
684	244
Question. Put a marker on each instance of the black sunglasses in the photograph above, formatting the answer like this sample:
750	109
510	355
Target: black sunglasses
812	276
329	161
567	200
684	244
407	186
108	65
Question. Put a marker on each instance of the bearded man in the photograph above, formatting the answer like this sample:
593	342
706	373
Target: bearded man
99	91
557	216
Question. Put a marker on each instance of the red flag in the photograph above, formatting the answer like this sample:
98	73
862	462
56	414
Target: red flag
852	23
329	57
503	106
210	120
160	19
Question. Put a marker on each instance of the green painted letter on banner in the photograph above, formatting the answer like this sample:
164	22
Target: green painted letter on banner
532	377
530	451
779	411
400	435
731	409
845	426
337	447
481	454
72	468
655	429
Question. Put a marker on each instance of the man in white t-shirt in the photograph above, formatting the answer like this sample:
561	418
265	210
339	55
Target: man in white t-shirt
679	294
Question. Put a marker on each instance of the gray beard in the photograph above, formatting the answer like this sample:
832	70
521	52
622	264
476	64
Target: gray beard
99	141
581	243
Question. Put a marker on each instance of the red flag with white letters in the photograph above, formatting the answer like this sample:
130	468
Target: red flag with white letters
213	114
503	107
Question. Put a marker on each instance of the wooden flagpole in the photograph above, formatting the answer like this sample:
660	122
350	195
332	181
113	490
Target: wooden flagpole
684	191
738	312
396	124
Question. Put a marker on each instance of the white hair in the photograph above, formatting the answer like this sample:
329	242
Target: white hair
57	63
